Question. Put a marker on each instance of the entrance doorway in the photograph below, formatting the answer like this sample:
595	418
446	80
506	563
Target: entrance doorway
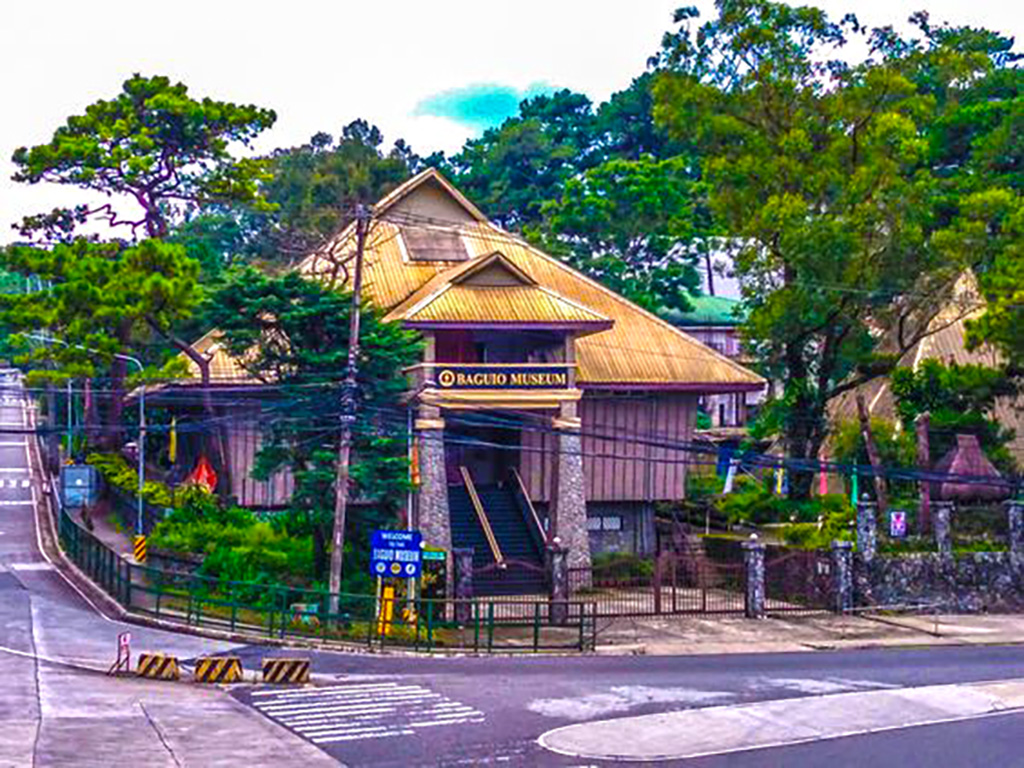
485	443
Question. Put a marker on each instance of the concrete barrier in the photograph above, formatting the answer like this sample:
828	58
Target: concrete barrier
218	669
285	671
158	666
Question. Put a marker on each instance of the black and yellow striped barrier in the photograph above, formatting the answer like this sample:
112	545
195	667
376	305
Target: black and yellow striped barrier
158	666
220	669
285	670
139	548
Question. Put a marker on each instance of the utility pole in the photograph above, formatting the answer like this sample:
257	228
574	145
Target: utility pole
348	413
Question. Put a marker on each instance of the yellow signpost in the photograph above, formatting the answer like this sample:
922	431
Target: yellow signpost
139	547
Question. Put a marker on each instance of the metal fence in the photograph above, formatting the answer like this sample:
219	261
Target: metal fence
669	584
377	621
798	581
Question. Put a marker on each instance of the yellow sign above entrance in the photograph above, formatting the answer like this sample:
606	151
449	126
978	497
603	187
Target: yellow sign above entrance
503	376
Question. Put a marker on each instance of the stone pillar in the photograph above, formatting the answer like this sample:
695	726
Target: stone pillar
432	518
557	558
867	530
462	576
942	513
753	560
568	515
842	575
1015	519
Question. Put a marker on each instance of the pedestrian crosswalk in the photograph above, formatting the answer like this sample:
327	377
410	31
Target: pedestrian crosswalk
356	711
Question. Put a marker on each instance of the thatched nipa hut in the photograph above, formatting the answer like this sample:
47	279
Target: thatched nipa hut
967	460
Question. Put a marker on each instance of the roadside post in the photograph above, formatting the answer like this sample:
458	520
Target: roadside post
124	654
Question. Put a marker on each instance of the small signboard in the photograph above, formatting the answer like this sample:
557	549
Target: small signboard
79	485
897	524
434	554
396	554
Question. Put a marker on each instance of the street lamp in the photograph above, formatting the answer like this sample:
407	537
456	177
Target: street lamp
142	417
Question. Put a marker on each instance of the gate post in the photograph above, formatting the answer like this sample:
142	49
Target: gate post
941	514
867	530
1015	519
558	577
659	577
462	558
753	560
842	569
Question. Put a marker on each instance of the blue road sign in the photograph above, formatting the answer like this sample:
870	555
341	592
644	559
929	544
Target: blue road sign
398	554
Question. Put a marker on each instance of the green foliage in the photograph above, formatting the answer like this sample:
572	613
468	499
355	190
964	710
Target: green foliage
626	223
511	170
994	224
960	399
314	188
897	449
837	524
116	471
294	333
154	144
821	173
753	501
622	565
102	303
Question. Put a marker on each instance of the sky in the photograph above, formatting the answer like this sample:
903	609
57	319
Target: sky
434	73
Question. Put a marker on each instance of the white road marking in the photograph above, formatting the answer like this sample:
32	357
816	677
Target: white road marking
362	711
20	470
31	567
21	444
27	502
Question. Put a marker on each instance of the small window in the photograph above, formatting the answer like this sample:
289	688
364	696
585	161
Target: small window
612	523
593	523
423	244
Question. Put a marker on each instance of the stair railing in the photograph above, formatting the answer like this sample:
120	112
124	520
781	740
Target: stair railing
532	512
492	542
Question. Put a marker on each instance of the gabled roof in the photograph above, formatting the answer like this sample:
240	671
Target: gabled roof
640	349
491	290
430	175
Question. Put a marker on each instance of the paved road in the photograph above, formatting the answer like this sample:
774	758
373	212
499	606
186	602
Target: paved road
59	715
388	711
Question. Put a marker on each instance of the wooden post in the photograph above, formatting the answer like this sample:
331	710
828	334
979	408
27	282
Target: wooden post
921	426
873	457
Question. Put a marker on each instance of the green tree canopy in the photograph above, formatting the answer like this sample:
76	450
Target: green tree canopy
293	334
631	225
153	144
960	399
101	300
820	172
313	189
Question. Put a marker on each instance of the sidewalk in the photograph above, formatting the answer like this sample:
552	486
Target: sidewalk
683	635
696	733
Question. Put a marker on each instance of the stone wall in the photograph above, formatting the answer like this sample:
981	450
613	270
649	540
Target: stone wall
968	583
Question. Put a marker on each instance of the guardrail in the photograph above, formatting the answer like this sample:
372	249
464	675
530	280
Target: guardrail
481	515
539	535
281	611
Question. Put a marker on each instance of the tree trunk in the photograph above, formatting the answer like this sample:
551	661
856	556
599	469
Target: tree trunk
873	456
217	442
924	462
90	416
113	432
